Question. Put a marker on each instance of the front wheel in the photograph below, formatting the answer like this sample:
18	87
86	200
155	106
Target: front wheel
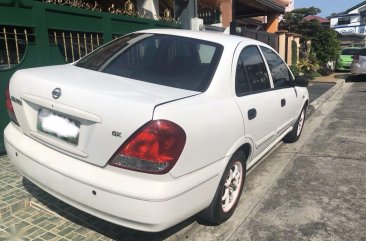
294	135
228	192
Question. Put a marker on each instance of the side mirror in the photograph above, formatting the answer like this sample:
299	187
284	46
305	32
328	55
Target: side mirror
301	81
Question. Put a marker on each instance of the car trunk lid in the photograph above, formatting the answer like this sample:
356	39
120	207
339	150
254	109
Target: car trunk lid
84	113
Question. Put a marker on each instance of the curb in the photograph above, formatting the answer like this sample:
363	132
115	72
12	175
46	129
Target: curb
319	101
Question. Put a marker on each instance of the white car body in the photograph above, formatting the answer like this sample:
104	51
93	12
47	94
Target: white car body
215	122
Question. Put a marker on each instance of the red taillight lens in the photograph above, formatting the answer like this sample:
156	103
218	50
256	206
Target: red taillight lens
154	148
356	57
9	106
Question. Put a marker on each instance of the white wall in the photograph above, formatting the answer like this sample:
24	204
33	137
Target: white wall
291	6
355	20
148	7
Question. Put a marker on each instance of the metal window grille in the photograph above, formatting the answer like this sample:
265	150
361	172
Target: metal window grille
209	16
13	44
269	38
74	45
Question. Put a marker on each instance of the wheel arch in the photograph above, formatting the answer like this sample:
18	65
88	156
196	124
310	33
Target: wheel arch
247	149
244	144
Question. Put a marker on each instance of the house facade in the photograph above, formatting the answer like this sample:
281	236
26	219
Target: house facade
257	14
350	22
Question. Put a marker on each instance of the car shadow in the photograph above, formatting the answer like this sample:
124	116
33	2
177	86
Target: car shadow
356	78
110	230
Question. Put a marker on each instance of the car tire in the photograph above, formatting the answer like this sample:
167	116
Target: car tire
294	135
228	192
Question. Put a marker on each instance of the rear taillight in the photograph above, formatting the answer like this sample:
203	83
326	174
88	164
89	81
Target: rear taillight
356	58
154	148
9	106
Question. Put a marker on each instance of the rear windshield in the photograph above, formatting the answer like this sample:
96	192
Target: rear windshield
362	52
349	51
174	61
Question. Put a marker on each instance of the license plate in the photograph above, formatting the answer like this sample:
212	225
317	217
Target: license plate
58	126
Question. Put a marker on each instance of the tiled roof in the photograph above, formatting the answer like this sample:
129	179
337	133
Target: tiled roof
320	19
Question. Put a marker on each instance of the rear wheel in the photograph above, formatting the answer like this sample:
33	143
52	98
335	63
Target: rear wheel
294	135
228	192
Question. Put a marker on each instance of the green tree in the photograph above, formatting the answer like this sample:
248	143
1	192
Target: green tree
325	44
307	11
293	21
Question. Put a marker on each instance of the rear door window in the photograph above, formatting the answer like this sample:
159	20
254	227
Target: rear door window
362	52
251	72
349	51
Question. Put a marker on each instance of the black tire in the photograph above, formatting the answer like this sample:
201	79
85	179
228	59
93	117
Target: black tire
215	213
294	135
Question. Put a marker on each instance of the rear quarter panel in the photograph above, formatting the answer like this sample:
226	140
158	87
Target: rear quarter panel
213	125
304	97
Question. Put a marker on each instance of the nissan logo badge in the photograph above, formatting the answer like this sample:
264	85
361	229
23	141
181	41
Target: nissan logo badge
56	93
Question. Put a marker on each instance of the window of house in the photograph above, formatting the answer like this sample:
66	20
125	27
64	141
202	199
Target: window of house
344	21
363	18
279	71
251	72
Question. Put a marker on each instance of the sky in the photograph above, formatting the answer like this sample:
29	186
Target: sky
327	6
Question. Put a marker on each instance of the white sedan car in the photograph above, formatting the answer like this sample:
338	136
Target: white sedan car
154	127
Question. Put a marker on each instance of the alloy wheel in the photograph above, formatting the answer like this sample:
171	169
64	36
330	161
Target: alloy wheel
232	186
301	122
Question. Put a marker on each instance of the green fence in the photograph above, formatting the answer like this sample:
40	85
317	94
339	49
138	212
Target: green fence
34	33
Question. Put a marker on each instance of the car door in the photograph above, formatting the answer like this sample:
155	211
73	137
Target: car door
255	98
287	96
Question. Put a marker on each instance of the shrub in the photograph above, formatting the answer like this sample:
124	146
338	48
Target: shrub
310	74
294	52
309	67
295	70
325	71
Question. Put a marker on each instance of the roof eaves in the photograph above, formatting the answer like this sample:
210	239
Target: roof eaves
355	7
344	15
273	5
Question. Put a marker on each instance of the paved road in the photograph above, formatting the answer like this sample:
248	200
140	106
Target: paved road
311	190
317	89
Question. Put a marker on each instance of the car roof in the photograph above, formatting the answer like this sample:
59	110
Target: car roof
216	37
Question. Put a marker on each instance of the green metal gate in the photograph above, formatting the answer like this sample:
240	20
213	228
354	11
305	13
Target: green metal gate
34	33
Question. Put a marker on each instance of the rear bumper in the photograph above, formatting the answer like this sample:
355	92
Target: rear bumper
357	69
155	205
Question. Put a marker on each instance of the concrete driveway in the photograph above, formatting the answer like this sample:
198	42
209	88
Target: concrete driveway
314	189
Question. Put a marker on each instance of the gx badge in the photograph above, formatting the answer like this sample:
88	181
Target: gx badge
116	134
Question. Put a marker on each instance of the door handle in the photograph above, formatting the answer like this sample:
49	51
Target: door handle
283	102
252	113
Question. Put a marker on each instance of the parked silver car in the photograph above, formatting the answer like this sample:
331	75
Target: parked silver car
358	65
